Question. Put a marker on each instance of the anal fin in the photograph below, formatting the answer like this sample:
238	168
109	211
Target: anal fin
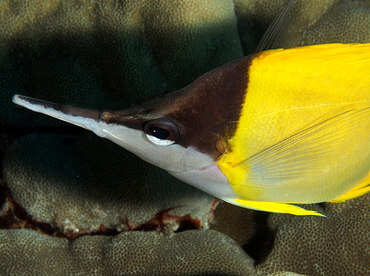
274	207
357	191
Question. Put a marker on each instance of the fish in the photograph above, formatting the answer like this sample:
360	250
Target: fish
266	132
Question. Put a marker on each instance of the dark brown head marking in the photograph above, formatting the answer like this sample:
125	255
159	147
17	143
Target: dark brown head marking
206	112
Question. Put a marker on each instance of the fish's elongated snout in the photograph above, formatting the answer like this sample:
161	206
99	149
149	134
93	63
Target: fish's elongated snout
85	118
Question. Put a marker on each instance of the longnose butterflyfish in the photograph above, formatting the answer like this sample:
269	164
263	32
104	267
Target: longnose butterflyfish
272	129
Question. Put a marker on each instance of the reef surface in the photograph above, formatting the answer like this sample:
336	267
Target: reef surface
74	203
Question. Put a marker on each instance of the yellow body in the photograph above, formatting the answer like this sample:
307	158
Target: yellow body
304	131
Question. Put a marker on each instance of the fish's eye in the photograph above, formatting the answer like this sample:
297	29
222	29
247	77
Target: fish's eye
162	132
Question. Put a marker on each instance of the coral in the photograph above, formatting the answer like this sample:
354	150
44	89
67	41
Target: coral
132	253
343	22
329	21
310	22
59	180
110	54
335	245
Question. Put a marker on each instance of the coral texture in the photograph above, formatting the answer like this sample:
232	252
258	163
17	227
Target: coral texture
60	180
110	54
132	253
335	245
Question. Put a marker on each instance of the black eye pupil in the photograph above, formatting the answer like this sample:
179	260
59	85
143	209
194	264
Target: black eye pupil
160	133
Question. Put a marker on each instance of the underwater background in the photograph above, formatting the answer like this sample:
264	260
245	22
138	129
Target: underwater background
75	204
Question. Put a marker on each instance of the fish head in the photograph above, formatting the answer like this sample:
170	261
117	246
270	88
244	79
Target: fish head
183	132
